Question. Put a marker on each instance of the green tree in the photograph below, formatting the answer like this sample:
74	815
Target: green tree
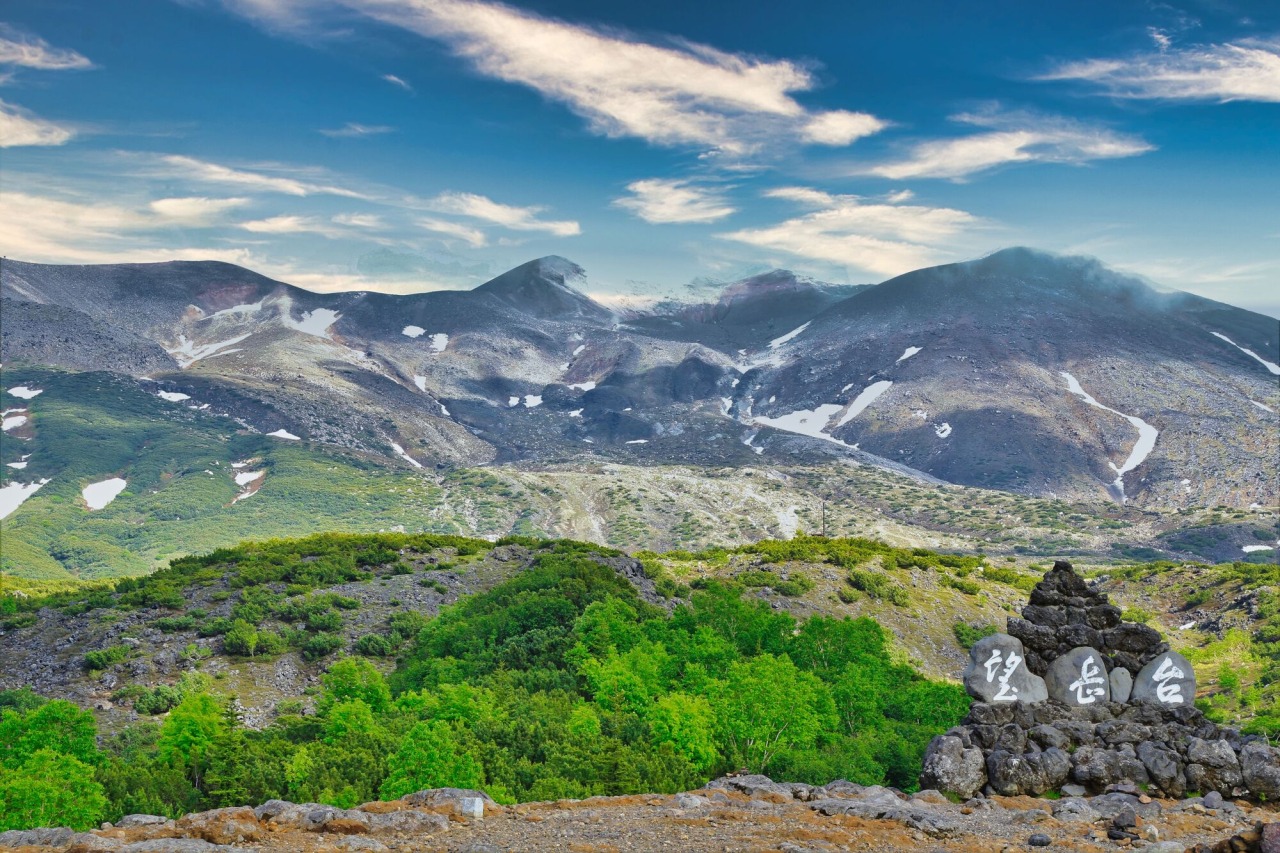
767	706
687	724
429	757
354	678
241	640
188	734
50	789
58	726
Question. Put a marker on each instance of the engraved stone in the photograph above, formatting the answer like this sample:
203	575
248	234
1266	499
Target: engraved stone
1167	680
1079	678
997	672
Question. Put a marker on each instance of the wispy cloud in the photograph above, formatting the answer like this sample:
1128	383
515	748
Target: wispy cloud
1246	70
194	210
359	220
1013	137
397	81
871	236
27	51
662	200
508	216
674	94
472	236
353	130
292	224
19	127
202	171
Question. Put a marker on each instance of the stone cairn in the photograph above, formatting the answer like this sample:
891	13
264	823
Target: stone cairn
1075	700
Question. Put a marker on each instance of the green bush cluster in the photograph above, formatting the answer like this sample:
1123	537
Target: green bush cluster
878	586
94	661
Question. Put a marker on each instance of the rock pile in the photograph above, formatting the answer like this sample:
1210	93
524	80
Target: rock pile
1073	699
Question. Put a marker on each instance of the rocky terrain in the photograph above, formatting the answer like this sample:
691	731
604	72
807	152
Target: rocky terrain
736	813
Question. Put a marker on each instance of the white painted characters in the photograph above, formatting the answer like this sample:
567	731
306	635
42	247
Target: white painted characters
1166	692
1084	686
1007	692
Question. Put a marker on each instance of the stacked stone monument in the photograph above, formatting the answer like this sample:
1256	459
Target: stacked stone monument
1073	695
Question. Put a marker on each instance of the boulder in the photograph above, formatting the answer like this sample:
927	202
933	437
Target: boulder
59	836
1260	767
1079	678
949	767
1212	766
1121	684
233	825
997	672
408	822
131	820
1164	768
1168	679
1094	767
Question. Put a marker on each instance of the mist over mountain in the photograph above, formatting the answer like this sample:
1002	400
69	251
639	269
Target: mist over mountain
1021	371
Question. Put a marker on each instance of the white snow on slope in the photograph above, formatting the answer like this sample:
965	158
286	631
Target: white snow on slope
942	430
244	478
532	401
808	422
583	386
1263	406
868	396
1274	368
777	342
242	308
188	353
24	392
172	396
413	331
405	456
98	495
638	441
285	434
576	413
1147	434
12	495
910	351
18	465
512	402
315	323
421	382
439	342
577	352
1249	549
12	422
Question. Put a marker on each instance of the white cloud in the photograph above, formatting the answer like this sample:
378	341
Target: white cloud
878	238
178	166
1012	138
508	216
474	236
19	127
194	210
353	130
840	127
1247	70
27	51
676	94
396	81
359	220
662	200
292	224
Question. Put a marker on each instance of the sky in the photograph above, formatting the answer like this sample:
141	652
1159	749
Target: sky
667	147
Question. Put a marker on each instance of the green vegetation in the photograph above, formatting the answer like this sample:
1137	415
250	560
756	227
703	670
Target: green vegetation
967	635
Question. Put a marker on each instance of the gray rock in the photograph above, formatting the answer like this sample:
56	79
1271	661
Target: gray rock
1039	839
1260	766
1079	678
949	767
1072	790
1074	809
1121	684
1094	767
440	796
1046	736
408	822
1110	805
1212	766
1168	679
58	836
131	820
1213	800
1164	768
1029	773
178	845
997	672
691	802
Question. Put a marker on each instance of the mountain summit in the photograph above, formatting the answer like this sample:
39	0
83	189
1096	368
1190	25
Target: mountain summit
546	288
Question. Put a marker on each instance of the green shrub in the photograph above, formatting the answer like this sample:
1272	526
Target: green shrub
879	587
94	661
174	624
967	635
320	645
373	645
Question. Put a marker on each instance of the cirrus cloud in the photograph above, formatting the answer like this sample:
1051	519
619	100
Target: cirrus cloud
20	128
508	216
661	200
28	51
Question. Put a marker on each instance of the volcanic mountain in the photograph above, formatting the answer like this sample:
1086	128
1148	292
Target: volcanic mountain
1020	371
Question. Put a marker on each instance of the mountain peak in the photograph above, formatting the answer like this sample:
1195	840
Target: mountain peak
546	287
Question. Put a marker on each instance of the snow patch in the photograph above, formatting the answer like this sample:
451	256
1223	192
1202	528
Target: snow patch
1249	549
25	392
512	402
188	353
98	495
638	441
1273	368
12	495
942	430
921	414
910	351
1147	435
583	386
577	352
244	478
421	382
1187	627
808	422
285	434
777	342
413	331
576	413
532	401
405	456
726	403
172	396
439	341
1263	406
315	323
18	465
868	396
13	422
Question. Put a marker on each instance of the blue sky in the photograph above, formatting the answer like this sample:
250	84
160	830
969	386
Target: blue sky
405	145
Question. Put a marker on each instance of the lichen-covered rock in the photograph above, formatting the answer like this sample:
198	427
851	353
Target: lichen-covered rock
949	766
997	672
1260	768
1094	767
1079	678
1212	765
1169	679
